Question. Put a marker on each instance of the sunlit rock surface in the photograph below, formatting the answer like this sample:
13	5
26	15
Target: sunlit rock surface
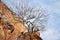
12	19
29	36
17	25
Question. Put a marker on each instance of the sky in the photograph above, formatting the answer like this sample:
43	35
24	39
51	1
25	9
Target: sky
53	24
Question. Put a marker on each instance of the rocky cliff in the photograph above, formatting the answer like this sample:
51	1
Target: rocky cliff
12	28
12	19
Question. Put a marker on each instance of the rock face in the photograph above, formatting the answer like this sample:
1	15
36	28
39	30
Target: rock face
12	19
12	28
29	36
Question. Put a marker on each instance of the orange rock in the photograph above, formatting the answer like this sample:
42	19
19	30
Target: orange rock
29	36
11	18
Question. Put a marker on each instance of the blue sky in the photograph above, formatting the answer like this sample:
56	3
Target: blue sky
53	23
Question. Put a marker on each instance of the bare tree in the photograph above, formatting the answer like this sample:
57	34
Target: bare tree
34	18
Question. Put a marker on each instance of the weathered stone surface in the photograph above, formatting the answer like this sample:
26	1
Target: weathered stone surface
15	32
11	18
29	36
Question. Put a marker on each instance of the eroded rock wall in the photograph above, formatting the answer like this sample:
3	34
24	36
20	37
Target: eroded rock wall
11	18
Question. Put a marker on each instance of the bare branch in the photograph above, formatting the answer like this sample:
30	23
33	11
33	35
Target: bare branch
34	18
